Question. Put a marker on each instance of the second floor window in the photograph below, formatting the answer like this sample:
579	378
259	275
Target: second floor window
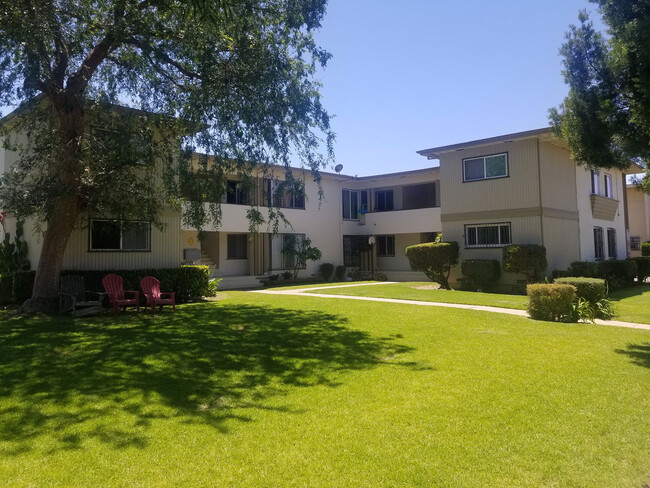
485	167
353	202
595	187
608	186
236	194
285	197
383	200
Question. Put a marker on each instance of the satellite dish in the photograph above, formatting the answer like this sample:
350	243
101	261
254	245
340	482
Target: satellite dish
338	168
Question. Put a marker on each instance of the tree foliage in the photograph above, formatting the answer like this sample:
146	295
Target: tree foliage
300	251
235	77
606	116
434	259
527	259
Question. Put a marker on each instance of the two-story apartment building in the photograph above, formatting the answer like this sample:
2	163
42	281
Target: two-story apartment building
520	188
524	188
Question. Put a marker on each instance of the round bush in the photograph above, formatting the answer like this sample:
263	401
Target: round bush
481	273
590	289
550	301
326	271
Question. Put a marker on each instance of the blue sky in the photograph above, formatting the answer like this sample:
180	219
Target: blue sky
416	74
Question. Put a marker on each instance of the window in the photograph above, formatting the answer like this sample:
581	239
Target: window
235	193
611	243
608	186
352	246
237	246
487	235
594	182
428	237
353	201
419	196
115	235
485	167
385	246
599	249
285	196
383	200
635	243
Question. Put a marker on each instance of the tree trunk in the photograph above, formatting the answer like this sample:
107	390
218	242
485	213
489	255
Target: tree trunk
62	219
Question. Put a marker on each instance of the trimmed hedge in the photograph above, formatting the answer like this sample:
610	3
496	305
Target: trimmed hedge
434	259
585	269
326	271
642	268
187	281
618	272
527	259
481	273
550	301
645	249
340	273
16	286
590	289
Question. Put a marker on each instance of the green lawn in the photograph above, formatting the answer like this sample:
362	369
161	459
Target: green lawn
422	291
282	391
632	304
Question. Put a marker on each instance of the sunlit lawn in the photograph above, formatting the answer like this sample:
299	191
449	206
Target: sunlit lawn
423	291
632	304
280	391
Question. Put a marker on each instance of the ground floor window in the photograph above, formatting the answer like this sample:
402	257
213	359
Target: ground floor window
611	243
289	242
599	244
487	235
352	249
116	235
635	243
237	246
385	246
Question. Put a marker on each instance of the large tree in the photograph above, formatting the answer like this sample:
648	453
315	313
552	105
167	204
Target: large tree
235	75
606	115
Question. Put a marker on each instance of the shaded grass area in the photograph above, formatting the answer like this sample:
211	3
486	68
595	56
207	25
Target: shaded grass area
257	390
422	291
632	304
322	284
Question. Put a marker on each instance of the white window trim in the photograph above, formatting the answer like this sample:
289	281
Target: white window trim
608	186
356	215
496	224
484	158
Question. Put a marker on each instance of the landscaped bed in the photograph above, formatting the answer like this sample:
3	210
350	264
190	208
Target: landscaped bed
266	390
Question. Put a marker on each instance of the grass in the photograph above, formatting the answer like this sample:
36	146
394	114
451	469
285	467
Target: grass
422	291
259	390
632	304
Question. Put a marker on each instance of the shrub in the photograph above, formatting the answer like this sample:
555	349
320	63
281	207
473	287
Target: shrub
642	268
23	285
187	281
561	273
326	271
618	272
550	301
6	288
645	249
481	273
286	275
340	273
586	269
528	259
379	276
435	259
589	289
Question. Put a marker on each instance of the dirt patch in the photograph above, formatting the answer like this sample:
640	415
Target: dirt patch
435	286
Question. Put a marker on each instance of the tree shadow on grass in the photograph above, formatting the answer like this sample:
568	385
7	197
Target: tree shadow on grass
64	382
638	353
629	292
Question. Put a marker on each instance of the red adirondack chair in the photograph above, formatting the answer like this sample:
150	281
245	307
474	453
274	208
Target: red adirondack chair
151	289
114	288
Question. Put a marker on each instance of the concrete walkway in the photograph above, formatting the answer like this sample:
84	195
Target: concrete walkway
306	292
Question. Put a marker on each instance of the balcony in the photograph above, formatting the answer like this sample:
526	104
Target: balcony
603	208
402	221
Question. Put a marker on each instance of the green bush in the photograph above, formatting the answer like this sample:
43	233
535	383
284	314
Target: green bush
550	301
642	268
561	273
186	281
6	288
585	269
326	271
527	259
23	285
645	249
340	273
618	273
435	259
481	273
589	289
379	276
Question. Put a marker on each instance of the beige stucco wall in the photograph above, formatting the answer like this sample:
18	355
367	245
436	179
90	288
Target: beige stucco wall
638	204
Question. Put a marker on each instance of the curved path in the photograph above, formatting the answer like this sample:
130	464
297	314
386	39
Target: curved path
306	292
